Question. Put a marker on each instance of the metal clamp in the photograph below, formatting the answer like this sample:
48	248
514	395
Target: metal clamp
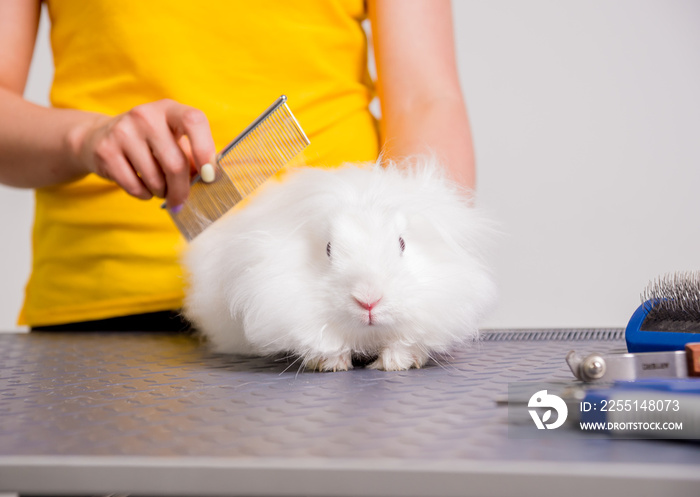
612	367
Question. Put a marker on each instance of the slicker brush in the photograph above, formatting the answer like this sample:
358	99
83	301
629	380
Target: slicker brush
669	316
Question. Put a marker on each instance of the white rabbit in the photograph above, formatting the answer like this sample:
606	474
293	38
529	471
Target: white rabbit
331	263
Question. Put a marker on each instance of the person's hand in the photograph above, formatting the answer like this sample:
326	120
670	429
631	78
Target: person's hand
151	150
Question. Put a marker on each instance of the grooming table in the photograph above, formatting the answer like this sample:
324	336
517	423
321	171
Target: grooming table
157	414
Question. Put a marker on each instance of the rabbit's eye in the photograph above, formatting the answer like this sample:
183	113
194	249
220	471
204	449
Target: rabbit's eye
328	249
402	244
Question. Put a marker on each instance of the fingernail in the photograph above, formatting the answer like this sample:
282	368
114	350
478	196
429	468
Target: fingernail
177	208
207	173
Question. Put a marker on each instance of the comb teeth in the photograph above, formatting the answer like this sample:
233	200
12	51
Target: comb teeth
673	301
262	149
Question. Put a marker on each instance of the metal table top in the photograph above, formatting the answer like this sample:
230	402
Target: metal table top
158	414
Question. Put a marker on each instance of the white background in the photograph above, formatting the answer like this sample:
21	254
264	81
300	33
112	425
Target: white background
586	118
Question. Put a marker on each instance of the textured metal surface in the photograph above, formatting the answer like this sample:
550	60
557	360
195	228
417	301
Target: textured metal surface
153	396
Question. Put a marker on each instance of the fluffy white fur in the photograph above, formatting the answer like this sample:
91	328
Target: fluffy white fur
261	280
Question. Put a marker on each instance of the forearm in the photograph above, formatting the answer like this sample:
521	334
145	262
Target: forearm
439	126
39	144
423	110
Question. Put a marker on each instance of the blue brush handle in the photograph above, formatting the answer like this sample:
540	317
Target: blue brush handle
676	385
654	341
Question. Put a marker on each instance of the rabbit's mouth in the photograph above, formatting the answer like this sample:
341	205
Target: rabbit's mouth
365	317
374	319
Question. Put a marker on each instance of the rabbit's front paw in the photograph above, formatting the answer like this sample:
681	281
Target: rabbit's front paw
398	358
338	362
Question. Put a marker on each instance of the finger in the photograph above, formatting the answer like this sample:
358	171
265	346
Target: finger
184	143
193	123
172	162
141	158
126	158
207	172
122	173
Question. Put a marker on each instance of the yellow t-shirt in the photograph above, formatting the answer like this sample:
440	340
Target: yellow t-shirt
100	253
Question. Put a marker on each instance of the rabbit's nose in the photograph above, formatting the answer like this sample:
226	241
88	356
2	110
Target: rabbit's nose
367	305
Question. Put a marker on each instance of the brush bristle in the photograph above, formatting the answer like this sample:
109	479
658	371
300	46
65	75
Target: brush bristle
672	303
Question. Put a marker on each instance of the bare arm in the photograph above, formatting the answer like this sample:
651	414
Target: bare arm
33	152
142	150
422	106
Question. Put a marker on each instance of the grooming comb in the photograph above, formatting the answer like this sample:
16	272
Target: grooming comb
669	316
258	152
